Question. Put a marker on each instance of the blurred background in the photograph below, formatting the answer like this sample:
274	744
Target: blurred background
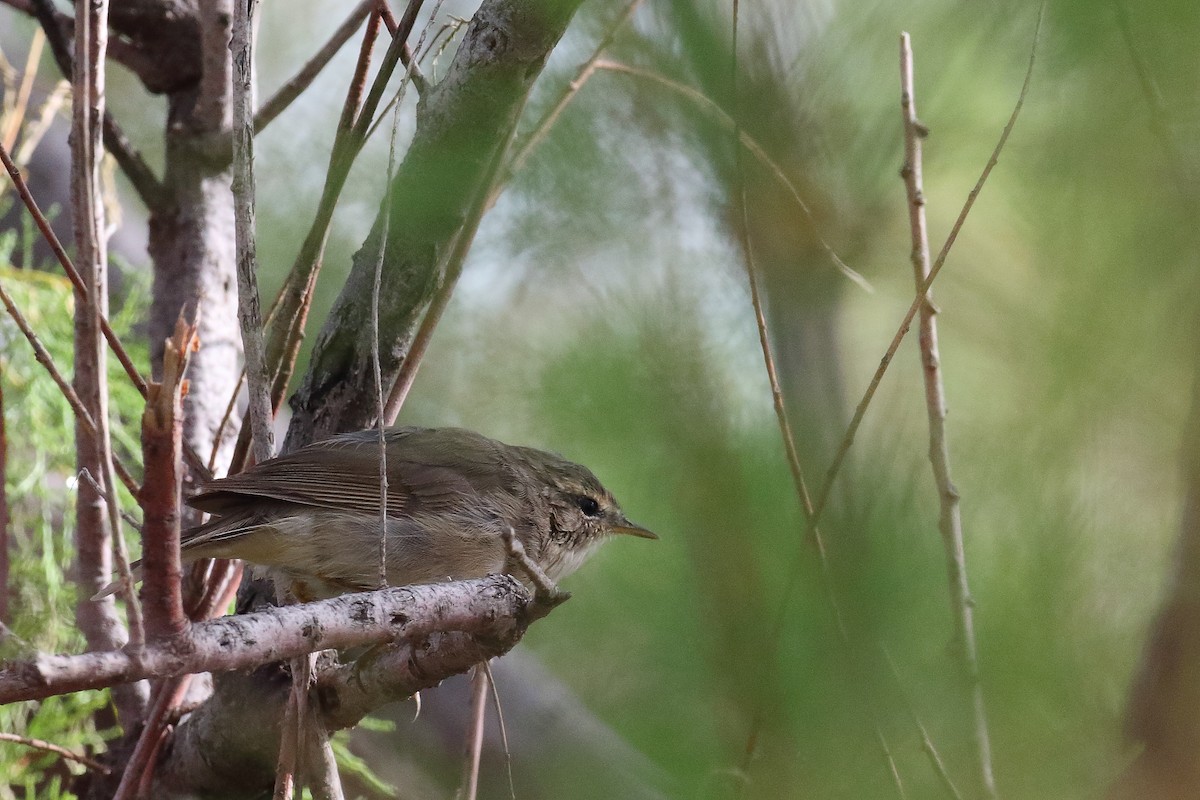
604	313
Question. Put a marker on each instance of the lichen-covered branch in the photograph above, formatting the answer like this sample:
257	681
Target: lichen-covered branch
495	606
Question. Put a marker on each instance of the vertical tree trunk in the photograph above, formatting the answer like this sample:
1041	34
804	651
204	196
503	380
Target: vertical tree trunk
191	236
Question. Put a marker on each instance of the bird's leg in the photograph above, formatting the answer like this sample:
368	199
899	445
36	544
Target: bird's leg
545	592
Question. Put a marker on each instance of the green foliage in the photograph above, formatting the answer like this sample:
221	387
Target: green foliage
40	486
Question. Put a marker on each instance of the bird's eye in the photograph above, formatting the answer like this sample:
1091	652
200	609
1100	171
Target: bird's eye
588	506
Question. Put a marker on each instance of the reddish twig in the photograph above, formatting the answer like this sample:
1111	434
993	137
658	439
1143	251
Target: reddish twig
169	695
114	342
40	744
406	55
162	436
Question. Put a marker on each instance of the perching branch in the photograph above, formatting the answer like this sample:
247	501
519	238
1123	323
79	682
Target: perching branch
950	518
495	606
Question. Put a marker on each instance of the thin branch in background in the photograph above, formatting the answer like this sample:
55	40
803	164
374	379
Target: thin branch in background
39	744
130	519
167	697
20	103
249	312
886	750
4	541
406	54
931	752
861	410
309	72
221	588
800	484
43	224
950	518
504	167
706	103
473	751
97	540
381	421
517	162
498	706
141	177
31	137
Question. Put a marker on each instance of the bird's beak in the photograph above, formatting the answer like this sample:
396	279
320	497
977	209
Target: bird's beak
627	528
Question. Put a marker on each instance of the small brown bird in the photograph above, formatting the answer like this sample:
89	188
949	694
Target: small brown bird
311	518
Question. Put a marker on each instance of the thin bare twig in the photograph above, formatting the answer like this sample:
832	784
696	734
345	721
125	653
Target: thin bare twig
381	422
308	73
950	518
517	162
861	410
249	311
43	357
800	484
931	752
20	104
406	55
893	770
141	177
498	706
469	787
40	744
4	540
